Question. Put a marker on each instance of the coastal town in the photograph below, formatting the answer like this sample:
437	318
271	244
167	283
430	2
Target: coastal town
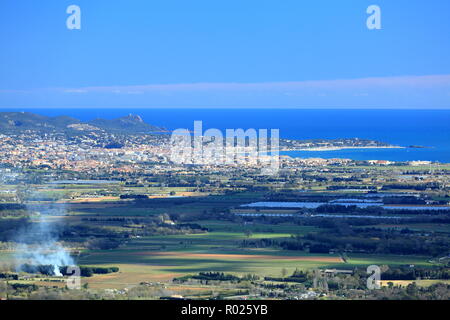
111	187
88	150
224	159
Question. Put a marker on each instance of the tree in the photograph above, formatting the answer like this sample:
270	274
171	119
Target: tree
412	290
3	289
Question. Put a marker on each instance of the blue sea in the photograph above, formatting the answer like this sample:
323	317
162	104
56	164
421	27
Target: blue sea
429	128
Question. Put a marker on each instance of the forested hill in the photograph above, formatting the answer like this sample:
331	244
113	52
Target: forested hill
17	122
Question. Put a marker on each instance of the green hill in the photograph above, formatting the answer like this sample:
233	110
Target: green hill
18	122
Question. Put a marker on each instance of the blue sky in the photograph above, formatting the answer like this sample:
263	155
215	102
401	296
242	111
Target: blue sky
225	53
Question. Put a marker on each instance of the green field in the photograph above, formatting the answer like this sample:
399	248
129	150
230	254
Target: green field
162	257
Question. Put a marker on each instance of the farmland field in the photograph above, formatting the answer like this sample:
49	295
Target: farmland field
155	242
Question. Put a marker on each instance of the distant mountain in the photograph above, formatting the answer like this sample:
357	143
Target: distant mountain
130	123
16	122
20	121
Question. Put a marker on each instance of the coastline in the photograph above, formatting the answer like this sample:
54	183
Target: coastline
342	148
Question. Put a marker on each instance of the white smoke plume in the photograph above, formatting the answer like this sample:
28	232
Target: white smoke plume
38	243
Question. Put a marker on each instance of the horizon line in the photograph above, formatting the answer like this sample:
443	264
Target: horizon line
225	108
